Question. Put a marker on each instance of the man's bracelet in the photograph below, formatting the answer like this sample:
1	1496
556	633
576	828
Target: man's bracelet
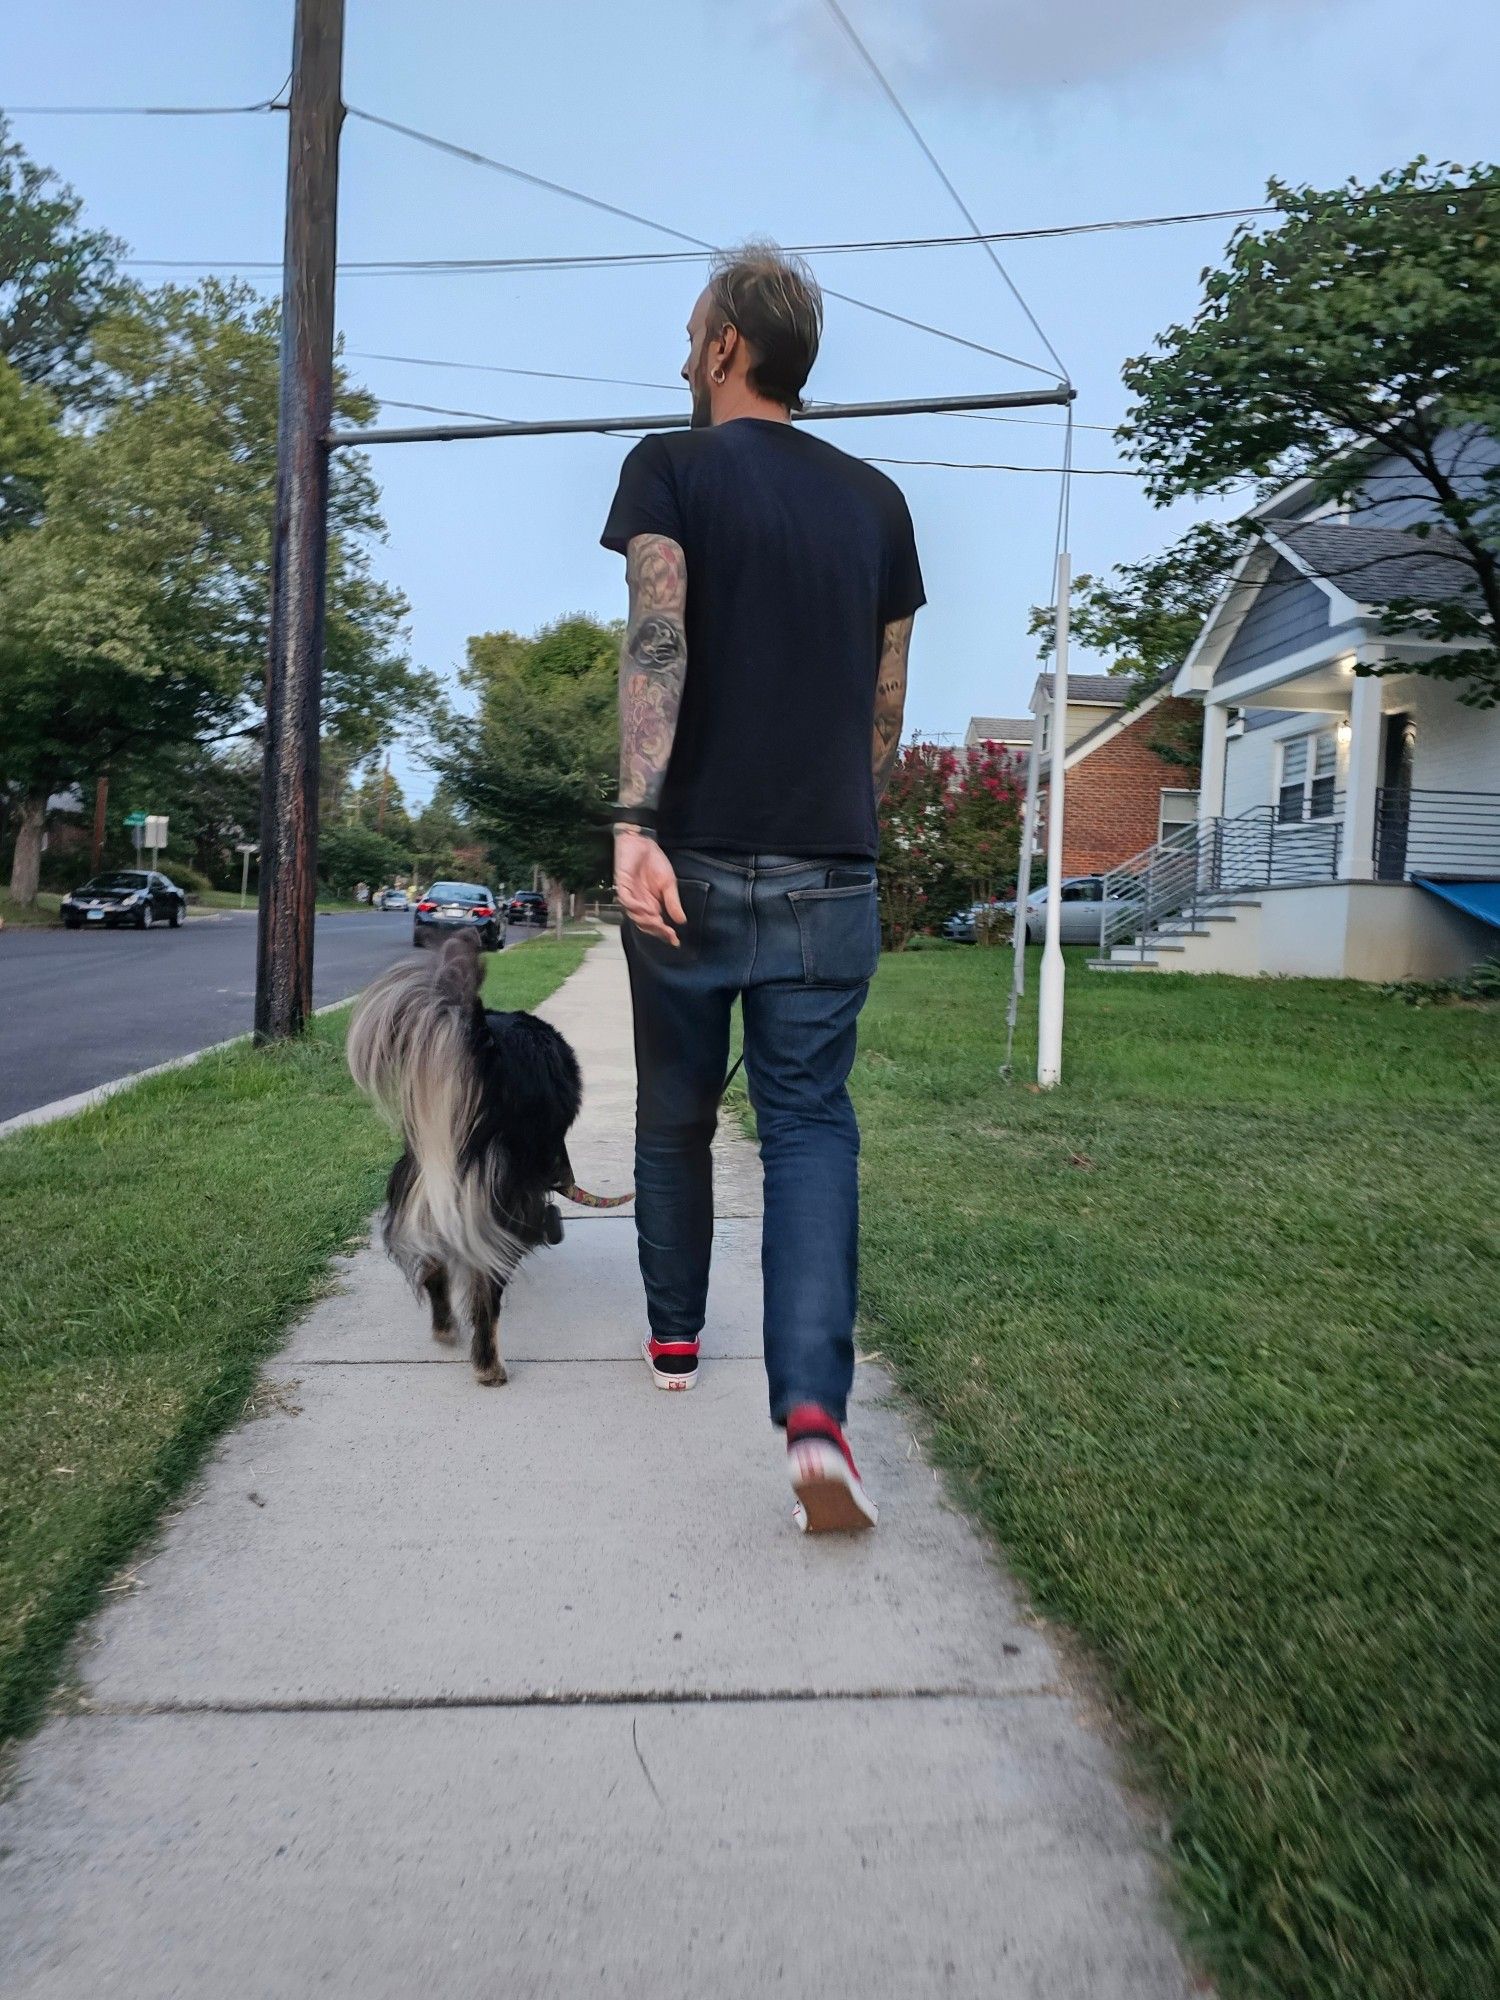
643	817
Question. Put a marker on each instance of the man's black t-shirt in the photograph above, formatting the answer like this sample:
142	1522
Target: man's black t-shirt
798	557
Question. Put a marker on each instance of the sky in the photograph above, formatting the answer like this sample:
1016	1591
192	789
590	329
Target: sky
754	121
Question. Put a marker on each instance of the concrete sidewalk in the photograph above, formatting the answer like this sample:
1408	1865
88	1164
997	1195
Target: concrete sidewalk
537	1691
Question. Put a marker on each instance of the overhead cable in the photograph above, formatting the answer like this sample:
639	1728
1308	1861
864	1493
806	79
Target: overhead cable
665	229
937	167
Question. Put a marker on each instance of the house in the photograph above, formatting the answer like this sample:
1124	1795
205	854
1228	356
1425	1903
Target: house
1349	820
1011	732
1126	786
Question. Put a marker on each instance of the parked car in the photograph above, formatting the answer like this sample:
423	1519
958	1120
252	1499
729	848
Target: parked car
140	897
1080	912
393	899
528	906
963	926
458	906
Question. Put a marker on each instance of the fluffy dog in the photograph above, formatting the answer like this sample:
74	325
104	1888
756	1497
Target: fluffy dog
484	1102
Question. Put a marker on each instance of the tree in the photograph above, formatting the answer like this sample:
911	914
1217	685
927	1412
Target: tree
1144	618
28	449
133	617
350	854
916	876
58	279
984	829
1361	327
538	765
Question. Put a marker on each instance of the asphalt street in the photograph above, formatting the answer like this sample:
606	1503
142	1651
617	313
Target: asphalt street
79	1008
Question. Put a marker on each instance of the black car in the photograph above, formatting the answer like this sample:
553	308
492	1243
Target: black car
528	906
137	896
458	906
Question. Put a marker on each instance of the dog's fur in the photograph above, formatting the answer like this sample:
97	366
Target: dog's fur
484	1102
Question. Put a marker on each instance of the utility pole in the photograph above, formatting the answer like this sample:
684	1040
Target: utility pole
101	800
294	669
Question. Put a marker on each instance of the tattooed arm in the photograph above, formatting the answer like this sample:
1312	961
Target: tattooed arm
653	665
890	700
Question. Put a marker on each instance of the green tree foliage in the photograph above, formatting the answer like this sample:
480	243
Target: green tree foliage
28	449
350	854
1362	324
536	766
58	279
133	616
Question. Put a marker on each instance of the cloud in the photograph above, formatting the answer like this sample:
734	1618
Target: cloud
1022	45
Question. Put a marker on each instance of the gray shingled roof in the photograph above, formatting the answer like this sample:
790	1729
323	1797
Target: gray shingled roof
1374	565
998	729
1110	689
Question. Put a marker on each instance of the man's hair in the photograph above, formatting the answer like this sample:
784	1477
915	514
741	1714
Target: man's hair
775	303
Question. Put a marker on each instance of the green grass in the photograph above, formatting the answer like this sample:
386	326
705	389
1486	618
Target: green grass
43	913
156	1251
1211	1334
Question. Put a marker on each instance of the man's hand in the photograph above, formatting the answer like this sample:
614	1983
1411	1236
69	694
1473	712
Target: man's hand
646	886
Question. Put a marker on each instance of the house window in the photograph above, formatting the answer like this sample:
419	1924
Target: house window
1309	777
1290	792
1179	815
1047	731
1324	784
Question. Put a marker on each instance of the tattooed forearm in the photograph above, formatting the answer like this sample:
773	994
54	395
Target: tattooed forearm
890	700
653	664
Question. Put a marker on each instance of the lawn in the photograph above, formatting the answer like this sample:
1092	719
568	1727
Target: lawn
158	1249
1211	1334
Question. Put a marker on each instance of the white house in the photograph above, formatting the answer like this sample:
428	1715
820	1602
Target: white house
1349	823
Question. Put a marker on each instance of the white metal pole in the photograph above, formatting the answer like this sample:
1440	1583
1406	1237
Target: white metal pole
1049	1031
1023	867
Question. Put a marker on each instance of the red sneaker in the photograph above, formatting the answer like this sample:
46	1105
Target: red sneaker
830	1495
673	1363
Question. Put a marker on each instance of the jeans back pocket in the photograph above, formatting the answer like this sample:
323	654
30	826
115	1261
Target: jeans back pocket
840	930
694	899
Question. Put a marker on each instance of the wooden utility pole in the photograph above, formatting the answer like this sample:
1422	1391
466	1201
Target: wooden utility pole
294	669
101	801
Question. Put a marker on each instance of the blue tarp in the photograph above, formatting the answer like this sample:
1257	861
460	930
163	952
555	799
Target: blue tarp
1476	899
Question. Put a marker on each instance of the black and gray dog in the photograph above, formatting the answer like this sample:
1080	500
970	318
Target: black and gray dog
484	1102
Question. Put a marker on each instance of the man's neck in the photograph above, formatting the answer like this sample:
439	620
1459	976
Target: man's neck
738	400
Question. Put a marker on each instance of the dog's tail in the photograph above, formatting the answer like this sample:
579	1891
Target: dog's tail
411	1049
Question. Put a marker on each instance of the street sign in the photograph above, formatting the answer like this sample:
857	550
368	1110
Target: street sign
156	830
135	819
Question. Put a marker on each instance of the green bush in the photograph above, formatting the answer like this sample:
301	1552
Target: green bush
350	854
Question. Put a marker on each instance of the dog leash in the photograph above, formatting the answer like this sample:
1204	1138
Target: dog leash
586	1200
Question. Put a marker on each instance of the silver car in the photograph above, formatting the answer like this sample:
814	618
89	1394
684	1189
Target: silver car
1080	912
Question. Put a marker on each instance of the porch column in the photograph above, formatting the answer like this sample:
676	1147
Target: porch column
1211	774
1357	848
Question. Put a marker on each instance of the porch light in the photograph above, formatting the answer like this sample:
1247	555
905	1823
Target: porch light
1344	731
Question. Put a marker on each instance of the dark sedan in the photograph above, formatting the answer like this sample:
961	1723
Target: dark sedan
139	897
457	906
528	906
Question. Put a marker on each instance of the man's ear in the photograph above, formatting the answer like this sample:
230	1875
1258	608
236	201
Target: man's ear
725	348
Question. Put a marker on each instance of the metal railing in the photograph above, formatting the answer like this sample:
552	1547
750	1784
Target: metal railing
1435	833
1209	861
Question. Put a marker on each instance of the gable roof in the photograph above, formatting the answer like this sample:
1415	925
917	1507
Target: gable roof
1112	726
998	729
1089	690
1374	565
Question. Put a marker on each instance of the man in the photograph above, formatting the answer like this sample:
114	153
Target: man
773	583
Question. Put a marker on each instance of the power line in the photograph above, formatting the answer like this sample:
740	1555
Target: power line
495	368
991	465
664	229
937	167
139	110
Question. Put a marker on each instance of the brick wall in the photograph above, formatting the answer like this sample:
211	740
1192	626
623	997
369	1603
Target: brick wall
1113	803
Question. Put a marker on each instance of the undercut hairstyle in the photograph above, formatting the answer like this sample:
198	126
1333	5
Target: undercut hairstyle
774	302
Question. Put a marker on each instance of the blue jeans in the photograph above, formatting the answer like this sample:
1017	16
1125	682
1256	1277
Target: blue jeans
798	942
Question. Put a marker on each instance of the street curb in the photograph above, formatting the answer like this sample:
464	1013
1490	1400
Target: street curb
85	1100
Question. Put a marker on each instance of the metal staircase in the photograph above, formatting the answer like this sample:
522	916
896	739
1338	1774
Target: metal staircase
1206	874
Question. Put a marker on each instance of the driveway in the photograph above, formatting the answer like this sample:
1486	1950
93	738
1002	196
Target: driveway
80	1008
